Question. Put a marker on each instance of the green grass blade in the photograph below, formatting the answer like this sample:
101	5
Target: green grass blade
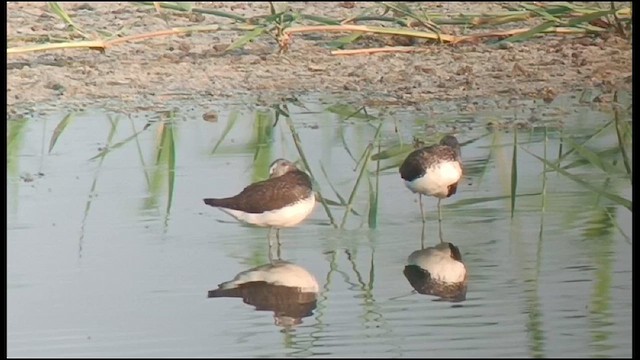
62	14
397	150
540	11
263	126
248	37
587	18
182	7
347	112
59	129
592	157
530	33
345	40
320	19
514	172
404	9
613	197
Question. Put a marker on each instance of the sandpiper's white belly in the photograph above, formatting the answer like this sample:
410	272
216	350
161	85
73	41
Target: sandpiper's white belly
285	217
437	179
280	273
440	265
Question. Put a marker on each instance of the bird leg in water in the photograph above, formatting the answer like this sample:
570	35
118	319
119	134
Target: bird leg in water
421	209
278	241
270	246
440	221
422	236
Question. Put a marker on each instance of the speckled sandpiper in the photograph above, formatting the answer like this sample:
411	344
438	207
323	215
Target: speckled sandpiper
434	171
438	270
283	200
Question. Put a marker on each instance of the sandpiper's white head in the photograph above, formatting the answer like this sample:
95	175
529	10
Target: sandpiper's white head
281	167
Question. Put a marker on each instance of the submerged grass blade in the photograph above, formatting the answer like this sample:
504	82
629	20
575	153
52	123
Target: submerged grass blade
614	221
623	132
345	144
333	203
91	197
335	191
298	143
15	134
119	144
15	138
366	156
544	177
480	200
139	148
373	197
514	172
165	155
171	164
170	149
562	156
59	128
233	117
604	154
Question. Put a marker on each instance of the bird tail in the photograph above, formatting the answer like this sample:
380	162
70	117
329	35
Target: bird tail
220	292
215	202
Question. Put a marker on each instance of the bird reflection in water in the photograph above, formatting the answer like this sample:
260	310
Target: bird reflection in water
287	289
438	271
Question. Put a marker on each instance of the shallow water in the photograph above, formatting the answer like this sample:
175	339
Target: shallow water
102	261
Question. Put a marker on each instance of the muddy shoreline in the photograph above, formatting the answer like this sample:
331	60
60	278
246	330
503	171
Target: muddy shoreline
148	74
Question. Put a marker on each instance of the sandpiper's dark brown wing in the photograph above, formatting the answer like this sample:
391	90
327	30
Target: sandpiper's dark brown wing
418	161
270	194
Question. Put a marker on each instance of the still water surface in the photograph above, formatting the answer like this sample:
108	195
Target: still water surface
103	261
